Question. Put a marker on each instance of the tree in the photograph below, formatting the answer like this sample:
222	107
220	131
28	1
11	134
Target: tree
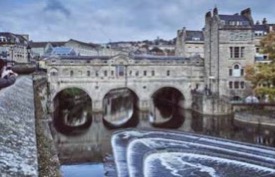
268	45
262	78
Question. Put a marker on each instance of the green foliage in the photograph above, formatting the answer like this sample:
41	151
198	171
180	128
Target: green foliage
72	91
262	78
266	91
268	45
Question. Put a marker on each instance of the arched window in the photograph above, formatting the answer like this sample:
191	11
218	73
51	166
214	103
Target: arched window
236	70
54	72
71	73
144	73
88	73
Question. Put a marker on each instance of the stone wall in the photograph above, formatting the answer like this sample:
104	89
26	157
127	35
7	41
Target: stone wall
48	160
210	105
18	155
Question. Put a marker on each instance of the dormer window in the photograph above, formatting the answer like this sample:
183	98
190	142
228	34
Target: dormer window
3	39
235	23
195	38
232	23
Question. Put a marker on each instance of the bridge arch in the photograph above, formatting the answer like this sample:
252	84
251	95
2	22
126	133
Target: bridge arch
72	110
120	108
134	90
60	89
166	107
173	88
153	92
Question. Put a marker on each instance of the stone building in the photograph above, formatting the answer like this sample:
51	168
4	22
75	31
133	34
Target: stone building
229	48
189	43
13	47
260	31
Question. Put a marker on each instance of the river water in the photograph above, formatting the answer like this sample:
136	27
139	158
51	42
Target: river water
96	134
223	127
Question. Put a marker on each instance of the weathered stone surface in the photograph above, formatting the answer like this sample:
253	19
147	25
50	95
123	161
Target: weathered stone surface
18	153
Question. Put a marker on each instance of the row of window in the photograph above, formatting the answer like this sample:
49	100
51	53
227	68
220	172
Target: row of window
236	84
120	73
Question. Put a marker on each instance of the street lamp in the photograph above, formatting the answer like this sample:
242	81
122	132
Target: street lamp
29	53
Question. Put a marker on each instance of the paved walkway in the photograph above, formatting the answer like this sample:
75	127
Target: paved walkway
18	153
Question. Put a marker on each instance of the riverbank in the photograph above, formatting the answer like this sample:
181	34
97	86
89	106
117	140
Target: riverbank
256	117
48	161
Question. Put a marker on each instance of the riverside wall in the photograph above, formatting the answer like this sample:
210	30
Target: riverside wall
18	150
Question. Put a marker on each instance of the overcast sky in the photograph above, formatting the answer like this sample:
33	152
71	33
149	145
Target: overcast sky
101	21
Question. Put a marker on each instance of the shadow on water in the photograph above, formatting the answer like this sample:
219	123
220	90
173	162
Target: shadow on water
63	127
173	121
131	122
120	109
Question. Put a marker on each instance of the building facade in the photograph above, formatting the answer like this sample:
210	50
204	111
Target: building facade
189	43
13	47
228	48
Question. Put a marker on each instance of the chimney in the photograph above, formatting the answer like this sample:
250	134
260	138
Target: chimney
247	14
215	11
264	22
208	14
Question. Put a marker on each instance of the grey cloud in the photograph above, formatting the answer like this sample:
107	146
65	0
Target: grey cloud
56	5
104	20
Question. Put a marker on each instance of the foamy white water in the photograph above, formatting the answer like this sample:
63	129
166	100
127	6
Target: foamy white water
180	164
141	153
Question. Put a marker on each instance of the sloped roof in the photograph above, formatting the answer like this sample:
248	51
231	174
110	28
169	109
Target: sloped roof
235	17
260	28
194	36
12	38
38	44
58	43
63	51
84	43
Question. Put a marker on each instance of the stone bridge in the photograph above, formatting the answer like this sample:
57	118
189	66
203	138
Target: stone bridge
143	75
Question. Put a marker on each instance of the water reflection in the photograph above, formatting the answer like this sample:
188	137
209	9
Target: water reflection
120	109
72	113
94	143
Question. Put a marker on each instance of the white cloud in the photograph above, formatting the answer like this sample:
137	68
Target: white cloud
104	20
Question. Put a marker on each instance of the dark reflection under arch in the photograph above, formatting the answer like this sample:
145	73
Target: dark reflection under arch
167	111
73	111
120	109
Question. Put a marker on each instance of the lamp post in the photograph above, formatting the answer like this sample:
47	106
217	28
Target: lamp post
29	53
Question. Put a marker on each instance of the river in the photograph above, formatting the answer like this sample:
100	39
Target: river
95	135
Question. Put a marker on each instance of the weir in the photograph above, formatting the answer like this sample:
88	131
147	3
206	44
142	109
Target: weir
143	153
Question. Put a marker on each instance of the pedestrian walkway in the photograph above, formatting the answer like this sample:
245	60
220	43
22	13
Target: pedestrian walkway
18	153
